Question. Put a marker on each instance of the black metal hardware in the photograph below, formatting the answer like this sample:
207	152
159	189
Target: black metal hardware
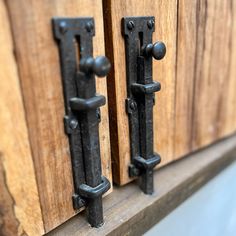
140	89
82	111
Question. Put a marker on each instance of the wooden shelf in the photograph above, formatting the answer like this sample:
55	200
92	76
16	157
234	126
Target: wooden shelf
128	211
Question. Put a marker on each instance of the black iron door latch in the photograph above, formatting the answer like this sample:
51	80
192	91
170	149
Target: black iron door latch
82	108
140	90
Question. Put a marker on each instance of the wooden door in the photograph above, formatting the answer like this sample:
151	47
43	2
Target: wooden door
205	76
165	13
19	196
192	109
35	152
214	99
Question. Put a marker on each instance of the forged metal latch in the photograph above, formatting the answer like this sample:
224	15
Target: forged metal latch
82	111
140	89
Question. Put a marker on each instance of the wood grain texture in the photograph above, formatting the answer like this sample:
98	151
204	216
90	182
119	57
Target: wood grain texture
20	212
212	72
8	221
165	12
39	67
185	75
197	103
228	112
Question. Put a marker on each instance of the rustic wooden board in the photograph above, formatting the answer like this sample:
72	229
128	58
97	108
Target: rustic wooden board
39	68
228	107
165	12
20	212
214	79
185	74
197	103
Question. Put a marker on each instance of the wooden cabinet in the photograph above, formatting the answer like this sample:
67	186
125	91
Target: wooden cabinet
195	107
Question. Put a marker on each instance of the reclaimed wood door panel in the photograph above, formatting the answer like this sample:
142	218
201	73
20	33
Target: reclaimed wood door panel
20	212
38	62
229	114
205	76
185	74
165	13
213	96
196	105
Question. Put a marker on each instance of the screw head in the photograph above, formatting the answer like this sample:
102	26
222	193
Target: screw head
150	24
63	27
133	105
130	25
89	26
74	123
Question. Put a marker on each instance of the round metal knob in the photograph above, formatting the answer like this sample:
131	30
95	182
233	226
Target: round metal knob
157	50
100	66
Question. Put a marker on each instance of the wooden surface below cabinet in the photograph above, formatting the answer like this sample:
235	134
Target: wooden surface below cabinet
34	146
196	105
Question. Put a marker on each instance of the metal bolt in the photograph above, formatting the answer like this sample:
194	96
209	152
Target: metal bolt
133	105
63	27
89	26
73	124
130	25
150	24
